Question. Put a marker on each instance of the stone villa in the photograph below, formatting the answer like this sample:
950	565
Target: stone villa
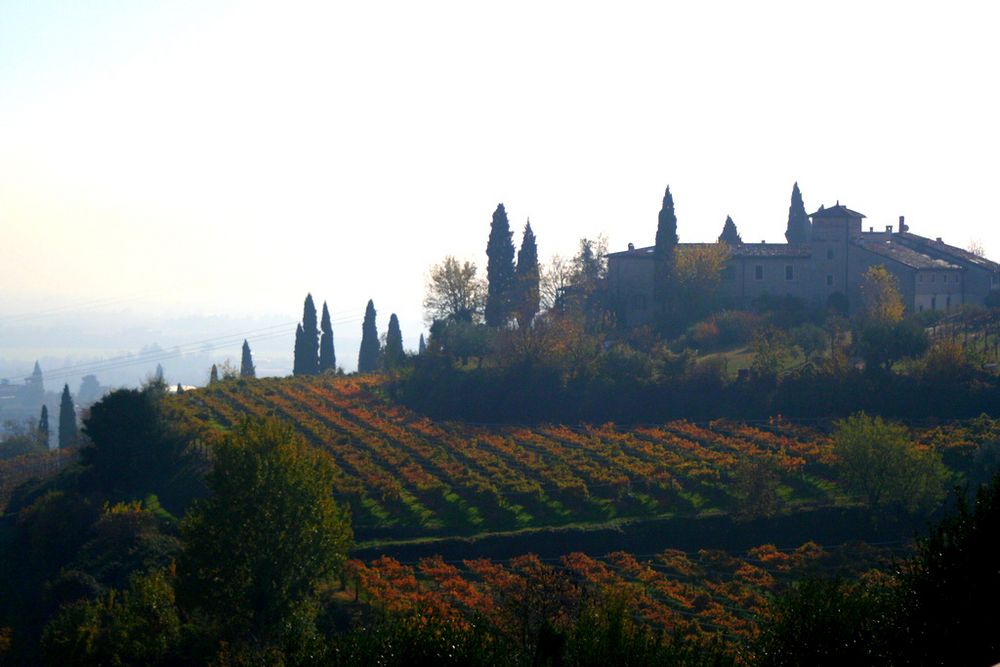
931	275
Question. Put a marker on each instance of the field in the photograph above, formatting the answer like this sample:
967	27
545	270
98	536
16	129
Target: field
404	475
704	594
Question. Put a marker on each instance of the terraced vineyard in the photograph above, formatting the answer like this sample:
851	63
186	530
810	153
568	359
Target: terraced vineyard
704	593
405	475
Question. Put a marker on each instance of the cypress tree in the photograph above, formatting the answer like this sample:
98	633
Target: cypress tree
310	338
213	375
247	369
298	356
663	253
180	388
799	229
393	344
729	234
421	346
500	275
327	356
368	354
528	296
67	420
43	426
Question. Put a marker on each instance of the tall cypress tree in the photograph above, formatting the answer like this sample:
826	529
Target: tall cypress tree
500	275
663	253
799	229
299	356
528	274
729	234
327	356
421	346
213	375
43	426
368	354
67	420
310	338
247	369
393	344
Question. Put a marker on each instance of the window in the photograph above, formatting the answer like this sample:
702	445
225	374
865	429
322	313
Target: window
789	272
933	303
829	253
829	280
758	272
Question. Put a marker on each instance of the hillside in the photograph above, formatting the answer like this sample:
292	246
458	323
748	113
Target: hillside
407	476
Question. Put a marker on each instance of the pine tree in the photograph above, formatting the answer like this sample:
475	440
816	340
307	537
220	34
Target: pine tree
297	359
327	356
67	420
663	253
247	369
729	234
368	354
310	338
528	295
43	426
500	275
421	346
393	344
213	375
799	228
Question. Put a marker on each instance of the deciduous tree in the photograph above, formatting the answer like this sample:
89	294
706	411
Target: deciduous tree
258	550
454	292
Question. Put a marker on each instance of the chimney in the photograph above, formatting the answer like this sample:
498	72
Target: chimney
888	229
938	239
762	241
631	246
871	229
902	224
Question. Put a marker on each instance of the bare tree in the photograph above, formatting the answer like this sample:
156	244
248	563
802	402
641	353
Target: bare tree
556	275
976	248
454	292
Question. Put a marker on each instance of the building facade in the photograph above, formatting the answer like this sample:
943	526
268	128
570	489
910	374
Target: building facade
830	268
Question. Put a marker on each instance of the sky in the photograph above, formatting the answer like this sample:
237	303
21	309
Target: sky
223	159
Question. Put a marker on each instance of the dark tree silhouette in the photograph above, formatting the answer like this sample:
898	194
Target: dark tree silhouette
43	426
729	234
393	344
213	375
67	420
327	356
421	346
368	354
663	253
247	369
799	229
298	354
309	362
528	296
500	274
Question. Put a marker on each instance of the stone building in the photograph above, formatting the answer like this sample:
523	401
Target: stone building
828	269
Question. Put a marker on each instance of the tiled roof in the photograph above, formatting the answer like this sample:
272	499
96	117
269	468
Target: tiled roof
741	250
902	254
837	211
935	247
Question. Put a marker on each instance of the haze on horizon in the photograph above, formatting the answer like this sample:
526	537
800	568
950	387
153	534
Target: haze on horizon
223	159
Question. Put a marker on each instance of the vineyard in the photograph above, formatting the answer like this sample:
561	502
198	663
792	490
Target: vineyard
405	475
21	469
703	594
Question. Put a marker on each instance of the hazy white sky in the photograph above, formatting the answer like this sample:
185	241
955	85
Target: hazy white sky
229	157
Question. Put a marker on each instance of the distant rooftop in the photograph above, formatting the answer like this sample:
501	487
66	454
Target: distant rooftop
902	254
741	250
838	211
921	243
